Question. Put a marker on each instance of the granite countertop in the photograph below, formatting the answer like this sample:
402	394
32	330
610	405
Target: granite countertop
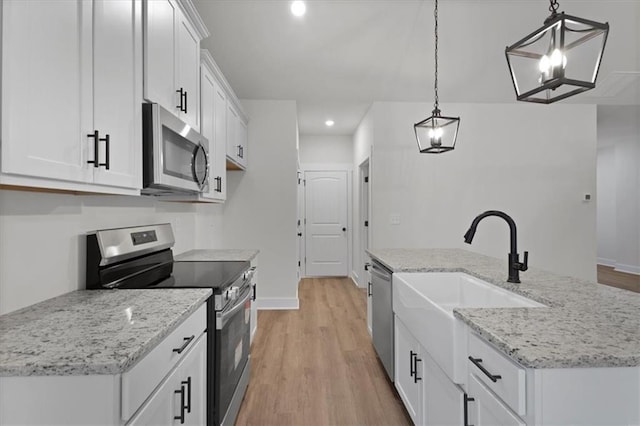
216	255
91	331
584	324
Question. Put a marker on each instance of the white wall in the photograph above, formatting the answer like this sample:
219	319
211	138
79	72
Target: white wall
42	245
362	142
260	211
619	177
323	149
533	162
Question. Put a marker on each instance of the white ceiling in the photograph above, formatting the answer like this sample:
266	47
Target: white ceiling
344	54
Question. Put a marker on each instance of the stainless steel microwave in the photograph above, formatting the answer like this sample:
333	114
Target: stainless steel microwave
175	156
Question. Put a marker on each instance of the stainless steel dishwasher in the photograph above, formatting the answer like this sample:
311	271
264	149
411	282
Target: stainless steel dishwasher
382	313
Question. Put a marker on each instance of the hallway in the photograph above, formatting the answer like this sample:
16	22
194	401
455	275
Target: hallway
317	366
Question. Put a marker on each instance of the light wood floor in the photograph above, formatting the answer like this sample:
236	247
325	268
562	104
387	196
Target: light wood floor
607	275
317	366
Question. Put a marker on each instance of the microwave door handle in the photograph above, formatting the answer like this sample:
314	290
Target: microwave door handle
201	182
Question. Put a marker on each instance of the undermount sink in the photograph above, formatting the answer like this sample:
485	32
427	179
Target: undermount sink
424	302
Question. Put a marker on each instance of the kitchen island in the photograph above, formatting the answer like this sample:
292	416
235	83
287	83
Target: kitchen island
585	325
575	360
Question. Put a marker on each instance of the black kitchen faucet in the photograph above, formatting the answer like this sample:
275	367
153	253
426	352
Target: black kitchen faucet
515	266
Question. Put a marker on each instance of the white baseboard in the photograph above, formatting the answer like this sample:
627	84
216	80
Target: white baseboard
629	269
355	279
278	303
606	262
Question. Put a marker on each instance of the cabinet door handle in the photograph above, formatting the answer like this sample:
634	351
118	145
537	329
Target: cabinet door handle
478	363
187	340
467	400
253	297
416	360
183	100
218	184
412	367
186	101
96	139
182	406
188	383
369	289
106	140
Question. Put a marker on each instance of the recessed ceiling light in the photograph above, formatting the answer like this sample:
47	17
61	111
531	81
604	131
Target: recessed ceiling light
329	123
298	8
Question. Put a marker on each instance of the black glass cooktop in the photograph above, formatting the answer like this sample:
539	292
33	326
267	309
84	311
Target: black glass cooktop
214	275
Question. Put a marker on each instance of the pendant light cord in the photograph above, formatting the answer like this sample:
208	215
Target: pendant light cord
553	6
436	104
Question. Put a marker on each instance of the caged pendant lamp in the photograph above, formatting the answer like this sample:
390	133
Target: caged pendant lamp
437	134
558	60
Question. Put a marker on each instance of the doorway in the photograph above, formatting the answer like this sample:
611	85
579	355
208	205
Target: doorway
326	241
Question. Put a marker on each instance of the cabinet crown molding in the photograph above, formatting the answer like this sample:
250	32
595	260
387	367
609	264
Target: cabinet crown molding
194	17
207	59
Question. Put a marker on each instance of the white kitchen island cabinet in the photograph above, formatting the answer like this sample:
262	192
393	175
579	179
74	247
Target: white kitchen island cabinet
173	31
71	103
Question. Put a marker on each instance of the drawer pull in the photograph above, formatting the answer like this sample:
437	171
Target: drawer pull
182	406
467	400
187	340
477	362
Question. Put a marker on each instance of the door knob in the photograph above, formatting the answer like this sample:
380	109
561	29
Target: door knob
299	234
344	229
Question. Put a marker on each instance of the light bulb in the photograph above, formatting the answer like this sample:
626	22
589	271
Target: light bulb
557	59
544	64
435	135
298	8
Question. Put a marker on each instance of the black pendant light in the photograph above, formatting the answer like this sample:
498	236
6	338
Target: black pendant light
437	134
558	60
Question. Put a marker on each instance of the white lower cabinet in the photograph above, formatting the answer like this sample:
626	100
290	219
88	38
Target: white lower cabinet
444	401
428	394
181	398
409	371
168	384
506	393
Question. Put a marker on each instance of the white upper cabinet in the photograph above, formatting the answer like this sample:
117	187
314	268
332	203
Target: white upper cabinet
69	70
172	35
237	139
213	106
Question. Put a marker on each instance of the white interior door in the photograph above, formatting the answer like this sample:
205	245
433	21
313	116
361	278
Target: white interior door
326	223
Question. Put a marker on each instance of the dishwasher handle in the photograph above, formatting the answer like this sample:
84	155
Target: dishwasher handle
380	272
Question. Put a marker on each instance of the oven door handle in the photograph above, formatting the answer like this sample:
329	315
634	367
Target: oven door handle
223	317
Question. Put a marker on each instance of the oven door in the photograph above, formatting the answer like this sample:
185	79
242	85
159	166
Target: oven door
232	347
176	157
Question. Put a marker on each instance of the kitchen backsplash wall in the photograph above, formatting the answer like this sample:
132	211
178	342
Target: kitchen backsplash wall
42	247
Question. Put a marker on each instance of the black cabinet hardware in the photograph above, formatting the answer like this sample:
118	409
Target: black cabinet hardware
366	223
107	141
299	234
412	366
369	289
187	340
240	151
366	266
478	363
253	297
183	100
96	148
96	139
182	406
416	360
188	383
467	400
344	229
218	184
